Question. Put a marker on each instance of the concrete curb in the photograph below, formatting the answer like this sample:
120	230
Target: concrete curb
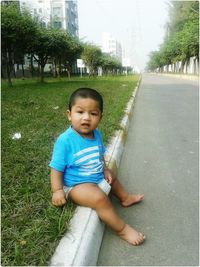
80	245
182	76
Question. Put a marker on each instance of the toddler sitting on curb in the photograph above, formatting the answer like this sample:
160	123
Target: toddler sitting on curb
78	168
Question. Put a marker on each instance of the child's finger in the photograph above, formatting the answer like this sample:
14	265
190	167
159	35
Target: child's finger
58	202
109	180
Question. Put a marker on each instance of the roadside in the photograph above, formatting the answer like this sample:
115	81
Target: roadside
160	160
180	76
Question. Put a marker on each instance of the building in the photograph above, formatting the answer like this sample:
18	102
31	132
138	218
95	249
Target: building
38	8
64	15
61	14
111	46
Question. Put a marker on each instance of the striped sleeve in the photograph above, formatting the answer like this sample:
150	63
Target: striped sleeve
59	156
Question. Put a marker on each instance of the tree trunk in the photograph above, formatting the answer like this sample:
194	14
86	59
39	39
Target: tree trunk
14	72
68	74
8	67
42	64
42	73
42	61
59	69
31	66
55	69
23	76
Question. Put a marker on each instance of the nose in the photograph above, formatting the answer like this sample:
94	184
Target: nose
86	116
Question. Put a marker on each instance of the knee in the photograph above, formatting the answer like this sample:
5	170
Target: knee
101	200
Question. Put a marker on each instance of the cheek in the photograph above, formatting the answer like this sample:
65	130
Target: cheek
97	121
75	117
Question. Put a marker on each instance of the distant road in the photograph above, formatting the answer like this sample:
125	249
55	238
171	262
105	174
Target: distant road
161	161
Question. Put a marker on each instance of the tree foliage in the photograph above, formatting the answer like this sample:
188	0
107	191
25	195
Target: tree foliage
109	64
182	35
55	45
18	33
71	52
23	36
91	56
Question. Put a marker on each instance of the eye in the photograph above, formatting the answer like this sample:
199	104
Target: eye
94	114
80	111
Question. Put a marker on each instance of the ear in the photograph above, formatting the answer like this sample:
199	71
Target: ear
68	114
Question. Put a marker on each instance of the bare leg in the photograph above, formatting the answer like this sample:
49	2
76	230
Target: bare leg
124	197
90	195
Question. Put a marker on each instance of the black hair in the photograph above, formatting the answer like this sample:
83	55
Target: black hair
85	92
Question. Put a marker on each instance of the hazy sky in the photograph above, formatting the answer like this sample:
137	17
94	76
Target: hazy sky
139	25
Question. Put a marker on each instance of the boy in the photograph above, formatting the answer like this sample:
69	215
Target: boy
78	168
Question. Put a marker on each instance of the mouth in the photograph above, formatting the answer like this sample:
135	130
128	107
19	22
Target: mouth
85	125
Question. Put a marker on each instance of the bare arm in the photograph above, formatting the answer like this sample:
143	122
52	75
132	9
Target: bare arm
58	195
108	175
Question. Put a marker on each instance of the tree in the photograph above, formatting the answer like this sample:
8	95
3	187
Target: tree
180	12
46	44
61	45
40	49
109	64
55	45
73	51
155	61
189	39
18	32
182	37
184	29
91	56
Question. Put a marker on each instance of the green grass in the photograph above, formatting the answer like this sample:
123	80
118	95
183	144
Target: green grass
31	226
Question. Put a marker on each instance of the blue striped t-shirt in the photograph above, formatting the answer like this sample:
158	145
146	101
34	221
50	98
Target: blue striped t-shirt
80	159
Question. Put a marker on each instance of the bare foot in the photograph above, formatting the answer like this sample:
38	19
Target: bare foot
131	236
131	200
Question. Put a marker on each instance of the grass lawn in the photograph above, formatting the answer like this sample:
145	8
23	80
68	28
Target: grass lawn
31	226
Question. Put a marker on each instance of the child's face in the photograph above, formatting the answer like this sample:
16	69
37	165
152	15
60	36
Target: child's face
85	116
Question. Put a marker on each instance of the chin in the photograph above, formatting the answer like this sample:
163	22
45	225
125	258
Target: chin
87	134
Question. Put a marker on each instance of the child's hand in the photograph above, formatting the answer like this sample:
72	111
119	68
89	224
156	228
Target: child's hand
108	176
58	198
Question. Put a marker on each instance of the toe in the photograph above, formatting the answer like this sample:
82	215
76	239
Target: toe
142	238
140	197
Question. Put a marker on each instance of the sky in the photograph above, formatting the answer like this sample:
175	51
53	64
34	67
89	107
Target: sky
139	25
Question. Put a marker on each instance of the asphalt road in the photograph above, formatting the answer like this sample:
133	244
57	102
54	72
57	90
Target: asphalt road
161	161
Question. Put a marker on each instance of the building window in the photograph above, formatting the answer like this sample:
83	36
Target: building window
57	24
57	11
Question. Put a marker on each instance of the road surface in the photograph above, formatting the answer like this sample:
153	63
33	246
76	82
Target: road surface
161	161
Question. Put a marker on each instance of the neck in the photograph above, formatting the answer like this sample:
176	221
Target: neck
88	136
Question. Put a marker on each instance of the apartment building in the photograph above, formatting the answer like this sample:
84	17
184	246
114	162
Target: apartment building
61	14
64	15
111	46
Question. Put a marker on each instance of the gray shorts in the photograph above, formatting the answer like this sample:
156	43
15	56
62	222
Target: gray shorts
104	185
